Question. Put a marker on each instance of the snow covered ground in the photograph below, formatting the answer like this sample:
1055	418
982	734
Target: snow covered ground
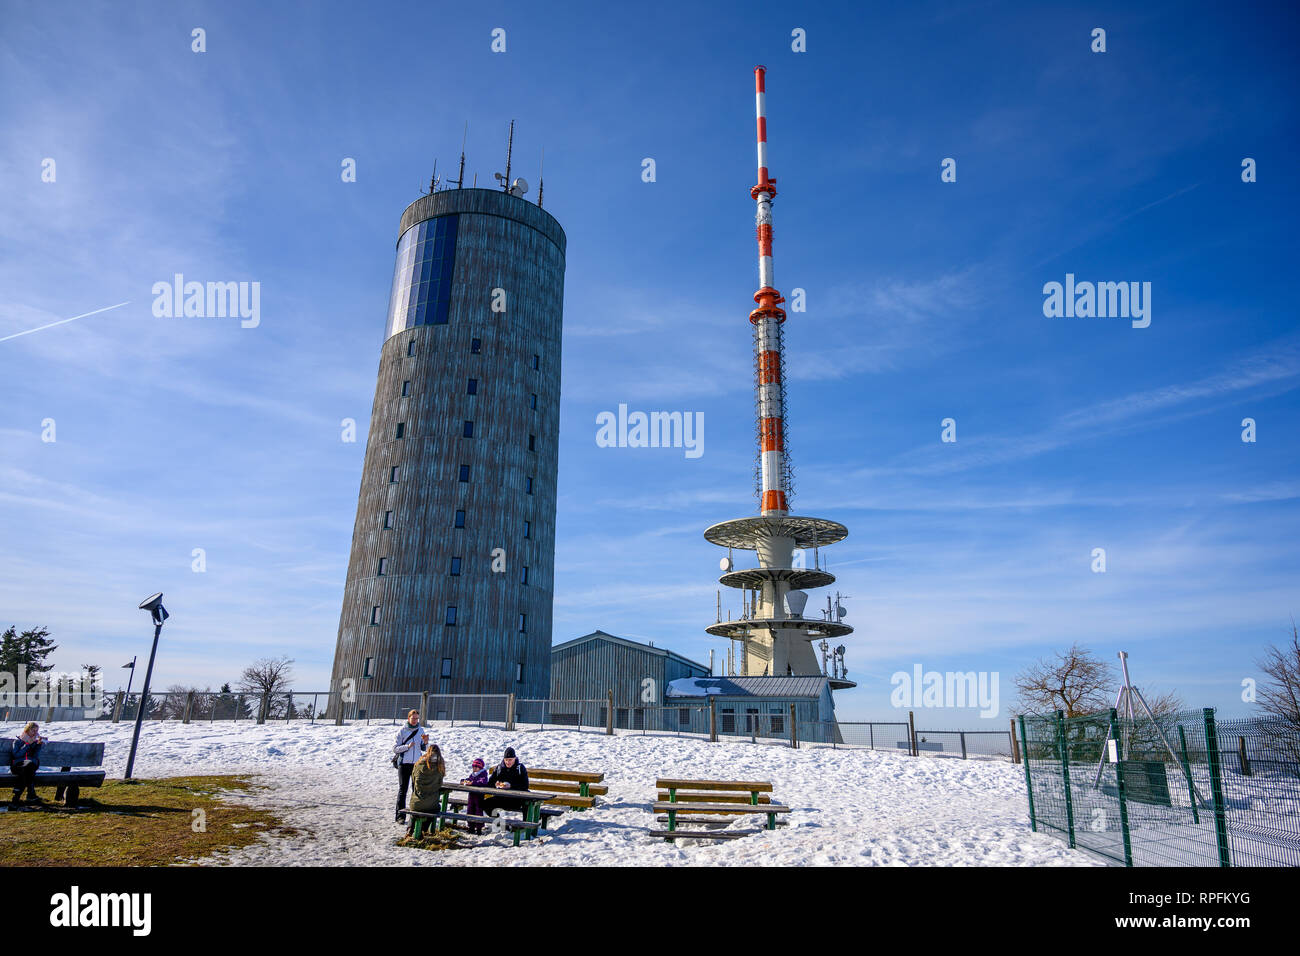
849	807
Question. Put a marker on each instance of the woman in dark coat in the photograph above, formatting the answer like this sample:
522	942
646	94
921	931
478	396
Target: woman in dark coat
426	783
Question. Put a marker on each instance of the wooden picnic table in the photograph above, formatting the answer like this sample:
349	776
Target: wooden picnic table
533	798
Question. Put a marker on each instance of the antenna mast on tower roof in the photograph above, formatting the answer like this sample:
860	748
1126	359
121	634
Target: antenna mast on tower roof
460	180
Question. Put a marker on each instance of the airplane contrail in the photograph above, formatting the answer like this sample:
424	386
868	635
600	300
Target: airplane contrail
106	308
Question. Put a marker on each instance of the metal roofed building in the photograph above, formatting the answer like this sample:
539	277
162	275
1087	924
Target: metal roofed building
587	668
760	706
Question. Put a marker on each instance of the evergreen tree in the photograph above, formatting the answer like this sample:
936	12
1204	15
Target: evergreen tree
28	650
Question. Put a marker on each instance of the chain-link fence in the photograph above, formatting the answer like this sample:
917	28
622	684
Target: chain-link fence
899	737
1179	790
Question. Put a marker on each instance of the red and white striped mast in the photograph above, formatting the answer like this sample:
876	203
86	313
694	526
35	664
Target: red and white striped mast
774	634
767	320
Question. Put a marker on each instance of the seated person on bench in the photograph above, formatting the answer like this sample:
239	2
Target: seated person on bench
478	777
23	762
426	781
509	774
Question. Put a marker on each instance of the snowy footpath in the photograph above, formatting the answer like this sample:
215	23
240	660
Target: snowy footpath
848	807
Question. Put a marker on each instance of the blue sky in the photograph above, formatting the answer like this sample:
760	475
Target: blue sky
924	301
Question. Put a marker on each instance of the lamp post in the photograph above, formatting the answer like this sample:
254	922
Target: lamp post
131	676
154	606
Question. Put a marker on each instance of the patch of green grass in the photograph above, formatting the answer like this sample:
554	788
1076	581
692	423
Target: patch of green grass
136	823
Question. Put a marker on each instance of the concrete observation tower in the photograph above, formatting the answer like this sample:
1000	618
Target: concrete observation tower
774	637
450	578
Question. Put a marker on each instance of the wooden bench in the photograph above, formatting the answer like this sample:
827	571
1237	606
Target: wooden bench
574	788
673	784
516	827
460	800
684	797
68	782
673	835
712	803
690	811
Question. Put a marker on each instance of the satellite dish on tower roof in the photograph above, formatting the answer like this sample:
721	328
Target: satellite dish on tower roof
519	187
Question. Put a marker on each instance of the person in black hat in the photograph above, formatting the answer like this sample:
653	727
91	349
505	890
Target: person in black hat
509	774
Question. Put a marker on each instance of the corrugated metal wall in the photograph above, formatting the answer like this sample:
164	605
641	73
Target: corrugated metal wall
507	243
589	670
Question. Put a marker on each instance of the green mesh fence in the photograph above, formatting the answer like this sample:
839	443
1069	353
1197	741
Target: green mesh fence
1180	790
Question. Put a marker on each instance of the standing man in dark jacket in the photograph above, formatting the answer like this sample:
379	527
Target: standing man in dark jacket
509	774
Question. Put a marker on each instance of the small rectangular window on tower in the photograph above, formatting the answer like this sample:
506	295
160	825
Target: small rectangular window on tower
451	615
368	669
519	673
523	578
446	668
464	472
532	443
374	614
532	402
473	387
410	347
406	388
523	623
455	567
460	519
388	520
475	346
528	484
401	430
537	361
528	529
392	474
468	430
383	567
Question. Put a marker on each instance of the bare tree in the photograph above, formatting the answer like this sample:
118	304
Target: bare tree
267	676
266	679
1280	697
1074	681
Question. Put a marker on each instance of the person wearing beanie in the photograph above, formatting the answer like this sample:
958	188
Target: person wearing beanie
509	774
478	777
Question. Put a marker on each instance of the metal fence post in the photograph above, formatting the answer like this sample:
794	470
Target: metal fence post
609	713
713	720
1063	751
189	706
962	735
1216	786
510	712
424	708
1029	784
338	713
117	706
871	733
1119	787
1187	772
911	732
794	739
1241	756
265	709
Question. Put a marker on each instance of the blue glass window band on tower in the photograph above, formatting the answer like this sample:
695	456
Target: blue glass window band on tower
421	293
